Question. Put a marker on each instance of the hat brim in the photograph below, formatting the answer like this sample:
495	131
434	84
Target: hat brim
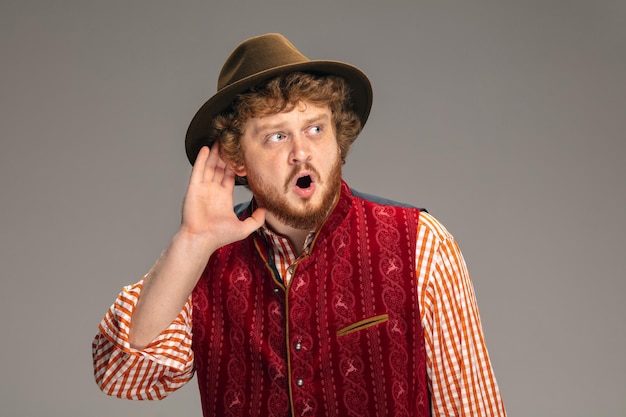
199	128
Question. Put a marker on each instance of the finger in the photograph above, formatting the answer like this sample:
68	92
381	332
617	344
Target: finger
215	165
215	147
255	221
229	178
197	171
219	171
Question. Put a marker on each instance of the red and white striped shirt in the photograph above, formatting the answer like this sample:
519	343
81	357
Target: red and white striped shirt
460	376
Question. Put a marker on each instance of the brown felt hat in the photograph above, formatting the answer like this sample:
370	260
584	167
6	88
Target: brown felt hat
258	59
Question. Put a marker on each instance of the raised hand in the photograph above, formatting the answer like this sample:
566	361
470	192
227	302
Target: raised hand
208	205
208	223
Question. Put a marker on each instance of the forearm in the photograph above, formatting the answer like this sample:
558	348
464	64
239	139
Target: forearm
151	373
167	287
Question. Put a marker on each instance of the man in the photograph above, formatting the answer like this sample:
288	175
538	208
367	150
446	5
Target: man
312	299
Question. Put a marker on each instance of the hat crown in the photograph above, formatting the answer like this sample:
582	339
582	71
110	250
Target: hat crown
256	55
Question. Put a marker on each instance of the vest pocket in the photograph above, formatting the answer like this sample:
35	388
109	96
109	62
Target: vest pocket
363	324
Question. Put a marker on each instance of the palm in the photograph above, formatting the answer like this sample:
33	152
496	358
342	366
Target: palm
208	206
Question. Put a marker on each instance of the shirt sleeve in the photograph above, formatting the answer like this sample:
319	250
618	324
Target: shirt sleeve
461	378
162	367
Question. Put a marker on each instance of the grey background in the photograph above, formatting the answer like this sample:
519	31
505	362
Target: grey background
504	118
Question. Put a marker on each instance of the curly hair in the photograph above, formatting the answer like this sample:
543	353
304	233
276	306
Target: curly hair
282	93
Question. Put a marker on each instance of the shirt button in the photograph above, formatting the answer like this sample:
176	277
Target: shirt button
300	382
298	346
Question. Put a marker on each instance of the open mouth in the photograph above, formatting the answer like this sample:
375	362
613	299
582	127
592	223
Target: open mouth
304	182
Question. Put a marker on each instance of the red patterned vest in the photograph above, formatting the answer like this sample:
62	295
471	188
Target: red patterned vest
343	339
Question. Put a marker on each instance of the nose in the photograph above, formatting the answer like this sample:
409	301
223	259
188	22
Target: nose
300	151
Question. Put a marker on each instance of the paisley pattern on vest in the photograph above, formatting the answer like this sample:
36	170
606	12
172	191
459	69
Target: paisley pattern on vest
343	339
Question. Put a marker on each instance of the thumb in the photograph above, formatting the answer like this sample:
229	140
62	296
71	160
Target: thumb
256	220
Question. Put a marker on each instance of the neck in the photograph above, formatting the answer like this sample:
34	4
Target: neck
297	237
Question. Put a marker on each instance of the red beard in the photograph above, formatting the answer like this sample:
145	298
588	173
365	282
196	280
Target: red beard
304	216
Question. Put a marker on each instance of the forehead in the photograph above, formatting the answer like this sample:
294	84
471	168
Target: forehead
300	112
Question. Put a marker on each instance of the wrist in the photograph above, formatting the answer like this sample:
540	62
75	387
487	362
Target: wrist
194	245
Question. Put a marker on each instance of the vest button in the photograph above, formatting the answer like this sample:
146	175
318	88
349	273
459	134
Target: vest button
298	346
300	382
276	290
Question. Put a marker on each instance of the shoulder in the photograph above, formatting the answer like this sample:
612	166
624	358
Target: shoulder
429	228
429	225
434	243
371	198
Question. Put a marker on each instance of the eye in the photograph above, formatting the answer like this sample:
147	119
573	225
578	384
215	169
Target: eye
315	130
276	137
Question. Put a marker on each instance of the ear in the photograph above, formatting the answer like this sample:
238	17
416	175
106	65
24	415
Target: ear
239	170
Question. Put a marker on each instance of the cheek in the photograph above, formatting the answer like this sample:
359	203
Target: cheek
246	161
260	168
334	152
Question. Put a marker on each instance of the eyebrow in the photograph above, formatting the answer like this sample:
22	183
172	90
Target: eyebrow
322	117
